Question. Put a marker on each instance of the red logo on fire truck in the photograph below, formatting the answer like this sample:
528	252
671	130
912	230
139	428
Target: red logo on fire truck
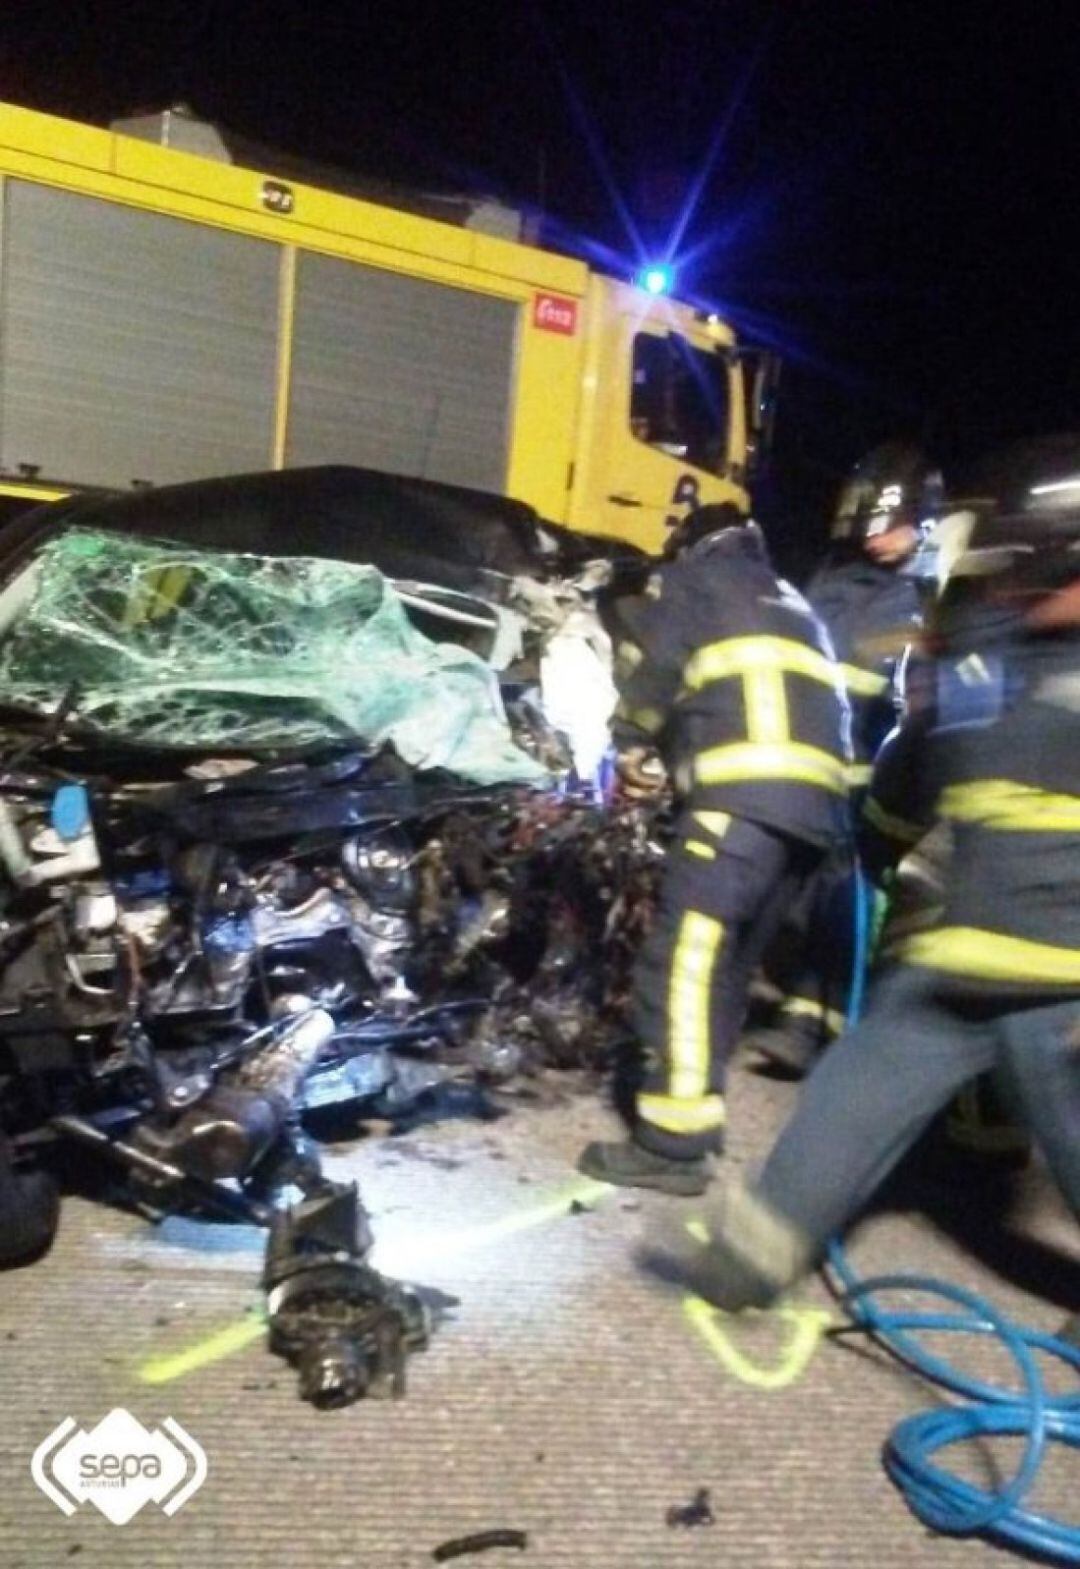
553	313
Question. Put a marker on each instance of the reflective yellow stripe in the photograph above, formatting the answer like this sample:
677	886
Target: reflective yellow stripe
789	761
715	823
689	997
858	774
683	1116
892	827
31	492
1002	804
864	683
991	956
766	706
738	656
807	1008
704	852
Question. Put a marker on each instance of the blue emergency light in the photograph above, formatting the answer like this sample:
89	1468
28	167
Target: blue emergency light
656	280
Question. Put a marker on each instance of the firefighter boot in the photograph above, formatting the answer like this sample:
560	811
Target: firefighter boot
628	1165
788	1049
713	1271
749	1257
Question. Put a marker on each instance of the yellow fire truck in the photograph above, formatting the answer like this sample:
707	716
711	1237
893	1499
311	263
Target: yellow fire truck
168	315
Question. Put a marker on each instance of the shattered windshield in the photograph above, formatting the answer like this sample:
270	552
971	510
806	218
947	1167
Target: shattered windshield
174	646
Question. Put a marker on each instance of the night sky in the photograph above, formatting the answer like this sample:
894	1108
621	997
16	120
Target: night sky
890	196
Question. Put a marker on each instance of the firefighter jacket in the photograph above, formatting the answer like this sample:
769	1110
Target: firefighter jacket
730	675
997	760
871	613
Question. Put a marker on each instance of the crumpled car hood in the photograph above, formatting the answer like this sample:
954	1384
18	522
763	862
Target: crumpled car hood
176	646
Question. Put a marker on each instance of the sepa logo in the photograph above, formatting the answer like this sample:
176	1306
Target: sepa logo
553	313
119	1466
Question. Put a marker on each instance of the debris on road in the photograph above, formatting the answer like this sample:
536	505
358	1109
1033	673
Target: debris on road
697	1512
481	1542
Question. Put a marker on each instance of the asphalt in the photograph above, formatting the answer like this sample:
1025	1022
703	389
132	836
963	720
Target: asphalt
564	1395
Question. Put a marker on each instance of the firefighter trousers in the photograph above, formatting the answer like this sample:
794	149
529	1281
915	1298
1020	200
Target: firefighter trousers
876	1090
725	887
810	959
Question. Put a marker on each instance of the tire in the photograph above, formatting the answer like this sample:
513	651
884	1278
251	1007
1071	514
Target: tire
29	1212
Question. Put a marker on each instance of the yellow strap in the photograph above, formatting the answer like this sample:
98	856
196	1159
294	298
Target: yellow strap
991	956
704	852
676	1115
864	683
892	827
738	656
807	1008
1011	807
788	761
697	948
858	774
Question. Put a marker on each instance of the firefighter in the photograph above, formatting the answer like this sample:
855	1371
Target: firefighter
995	983
729	676
870	607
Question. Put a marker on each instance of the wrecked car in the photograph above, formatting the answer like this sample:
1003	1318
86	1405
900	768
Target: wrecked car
301	806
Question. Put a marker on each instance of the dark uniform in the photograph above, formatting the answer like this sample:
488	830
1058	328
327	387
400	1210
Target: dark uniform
733	682
869	608
994	983
869	612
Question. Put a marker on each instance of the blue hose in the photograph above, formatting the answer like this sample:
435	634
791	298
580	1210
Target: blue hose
939	1498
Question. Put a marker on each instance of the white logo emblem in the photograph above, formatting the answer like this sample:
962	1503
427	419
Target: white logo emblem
119	1466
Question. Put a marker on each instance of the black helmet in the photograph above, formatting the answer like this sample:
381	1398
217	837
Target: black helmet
1018	520
891	486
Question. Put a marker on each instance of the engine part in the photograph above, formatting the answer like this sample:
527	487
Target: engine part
281	1067
383	939
379	866
361	1078
343	1326
225	1135
165	1176
273	925
13	852
173	1182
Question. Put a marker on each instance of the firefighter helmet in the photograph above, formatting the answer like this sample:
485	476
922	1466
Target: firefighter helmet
893	486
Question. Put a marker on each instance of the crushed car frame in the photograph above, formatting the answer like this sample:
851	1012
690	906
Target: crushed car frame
285	823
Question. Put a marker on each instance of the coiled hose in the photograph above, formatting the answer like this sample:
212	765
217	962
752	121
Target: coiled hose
939	1498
